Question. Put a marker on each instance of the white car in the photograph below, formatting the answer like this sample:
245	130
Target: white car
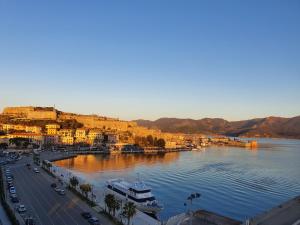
12	190
57	189
36	170
21	208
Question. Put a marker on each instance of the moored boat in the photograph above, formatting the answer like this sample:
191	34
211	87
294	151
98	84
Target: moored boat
137	192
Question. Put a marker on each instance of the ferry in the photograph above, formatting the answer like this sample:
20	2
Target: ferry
137	192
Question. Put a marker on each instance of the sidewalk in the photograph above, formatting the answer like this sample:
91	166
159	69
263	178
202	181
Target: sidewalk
3	217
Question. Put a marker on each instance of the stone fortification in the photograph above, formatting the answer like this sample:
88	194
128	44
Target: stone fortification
93	121
33	113
89	121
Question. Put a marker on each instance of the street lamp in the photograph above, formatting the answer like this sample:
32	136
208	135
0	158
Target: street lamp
190	199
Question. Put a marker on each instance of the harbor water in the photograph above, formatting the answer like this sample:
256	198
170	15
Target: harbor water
235	182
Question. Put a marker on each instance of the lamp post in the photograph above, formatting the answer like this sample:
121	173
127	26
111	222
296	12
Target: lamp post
190	200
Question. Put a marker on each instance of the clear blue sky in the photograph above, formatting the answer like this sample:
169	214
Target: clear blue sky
150	59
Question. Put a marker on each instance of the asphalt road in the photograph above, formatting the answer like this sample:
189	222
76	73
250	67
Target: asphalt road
45	205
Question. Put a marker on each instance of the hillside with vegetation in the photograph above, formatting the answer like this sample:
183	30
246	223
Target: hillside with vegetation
277	127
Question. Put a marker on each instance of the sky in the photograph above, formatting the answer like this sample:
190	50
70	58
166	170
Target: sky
152	58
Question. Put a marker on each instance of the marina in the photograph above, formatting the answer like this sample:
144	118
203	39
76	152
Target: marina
233	182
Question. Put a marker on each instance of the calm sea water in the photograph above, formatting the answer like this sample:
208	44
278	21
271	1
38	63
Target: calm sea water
234	182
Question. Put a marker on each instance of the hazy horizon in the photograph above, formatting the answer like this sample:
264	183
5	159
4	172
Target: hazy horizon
146	60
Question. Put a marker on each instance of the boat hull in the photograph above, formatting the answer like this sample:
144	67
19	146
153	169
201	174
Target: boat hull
141	207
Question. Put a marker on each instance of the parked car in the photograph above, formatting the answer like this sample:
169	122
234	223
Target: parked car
12	195
9	185
36	170
62	192
94	221
14	200
29	221
57	189
53	185
86	215
10	177
12	190
21	209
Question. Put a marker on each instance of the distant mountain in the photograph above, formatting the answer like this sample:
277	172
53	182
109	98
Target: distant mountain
261	127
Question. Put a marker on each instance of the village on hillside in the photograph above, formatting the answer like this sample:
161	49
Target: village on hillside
46	127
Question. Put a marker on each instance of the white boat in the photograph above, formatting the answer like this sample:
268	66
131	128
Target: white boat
137	192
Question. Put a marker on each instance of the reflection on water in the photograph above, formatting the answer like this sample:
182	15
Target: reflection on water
98	163
235	182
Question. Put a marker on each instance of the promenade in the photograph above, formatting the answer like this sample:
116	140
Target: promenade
45	205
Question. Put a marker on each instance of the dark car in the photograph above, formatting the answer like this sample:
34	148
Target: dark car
94	221
53	185
86	215
14	200
29	221
10	185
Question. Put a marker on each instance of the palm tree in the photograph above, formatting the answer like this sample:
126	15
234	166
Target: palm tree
129	210
116	206
74	182
109	202
85	188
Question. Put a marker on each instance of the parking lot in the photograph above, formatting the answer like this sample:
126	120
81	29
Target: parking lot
42	202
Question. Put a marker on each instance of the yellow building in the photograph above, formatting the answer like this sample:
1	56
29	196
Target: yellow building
95	136
52	129
66	133
81	135
67	140
33	129
171	144
33	138
7	127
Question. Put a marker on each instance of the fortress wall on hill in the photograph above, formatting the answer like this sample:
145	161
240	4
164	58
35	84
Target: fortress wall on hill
91	121
30	112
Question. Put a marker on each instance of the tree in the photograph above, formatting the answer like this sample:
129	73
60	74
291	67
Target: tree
85	188
129	210
3	146
74	182
109	202
150	140
161	143
116	206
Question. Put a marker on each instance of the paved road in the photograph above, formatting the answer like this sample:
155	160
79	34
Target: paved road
43	203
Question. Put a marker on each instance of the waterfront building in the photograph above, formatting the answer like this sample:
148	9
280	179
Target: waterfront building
32	138
67	140
51	139
95	136
111	138
8	127
33	129
81	135
171	144
66	133
52	129
19	127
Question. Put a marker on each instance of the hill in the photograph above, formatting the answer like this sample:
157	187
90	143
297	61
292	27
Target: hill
261	127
